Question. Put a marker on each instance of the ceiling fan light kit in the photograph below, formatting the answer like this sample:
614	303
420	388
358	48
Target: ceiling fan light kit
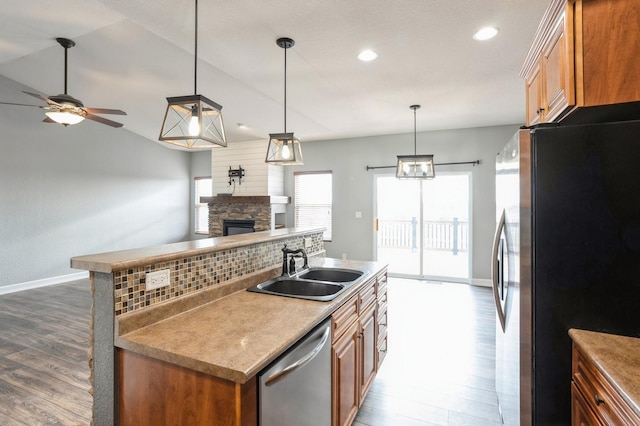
284	149
65	109
193	121
415	166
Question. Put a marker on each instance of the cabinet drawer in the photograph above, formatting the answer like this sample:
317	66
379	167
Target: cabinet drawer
382	300
344	317
598	393
382	323
381	286
366	296
382	350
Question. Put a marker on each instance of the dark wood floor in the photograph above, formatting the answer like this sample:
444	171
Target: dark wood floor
439	371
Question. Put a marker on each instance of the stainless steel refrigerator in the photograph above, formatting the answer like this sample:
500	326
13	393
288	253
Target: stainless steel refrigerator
566	255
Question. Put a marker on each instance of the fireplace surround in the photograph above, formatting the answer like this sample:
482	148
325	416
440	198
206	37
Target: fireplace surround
268	212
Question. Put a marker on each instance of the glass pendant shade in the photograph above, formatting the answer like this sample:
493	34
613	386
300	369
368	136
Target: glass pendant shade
65	118
193	121
415	167
284	150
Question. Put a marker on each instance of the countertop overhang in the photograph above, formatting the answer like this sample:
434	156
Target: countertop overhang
125	259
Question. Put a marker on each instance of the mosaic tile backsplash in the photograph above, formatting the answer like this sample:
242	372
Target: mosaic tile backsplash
192	274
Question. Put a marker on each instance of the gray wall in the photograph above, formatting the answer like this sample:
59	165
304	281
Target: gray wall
200	166
82	189
353	186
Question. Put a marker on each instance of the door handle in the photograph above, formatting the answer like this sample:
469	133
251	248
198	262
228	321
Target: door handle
494	270
301	362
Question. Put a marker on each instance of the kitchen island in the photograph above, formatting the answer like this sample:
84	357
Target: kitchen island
204	325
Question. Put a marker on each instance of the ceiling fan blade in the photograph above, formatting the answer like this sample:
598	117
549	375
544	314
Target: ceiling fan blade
104	111
29	105
42	98
102	120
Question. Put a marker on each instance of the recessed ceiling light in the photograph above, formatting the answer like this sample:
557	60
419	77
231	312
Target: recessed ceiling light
367	55
485	33
242	126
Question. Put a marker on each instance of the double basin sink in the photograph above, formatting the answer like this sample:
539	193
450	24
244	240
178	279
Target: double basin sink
320	284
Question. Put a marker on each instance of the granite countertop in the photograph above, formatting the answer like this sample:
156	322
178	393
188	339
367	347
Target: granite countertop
236	336
617	358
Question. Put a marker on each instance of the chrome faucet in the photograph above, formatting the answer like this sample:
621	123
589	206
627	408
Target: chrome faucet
289	269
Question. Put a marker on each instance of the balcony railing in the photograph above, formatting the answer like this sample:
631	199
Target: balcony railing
438	235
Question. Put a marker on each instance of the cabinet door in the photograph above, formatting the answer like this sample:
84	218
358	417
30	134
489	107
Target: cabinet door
534	96
558	70
368	350
581	414
345	377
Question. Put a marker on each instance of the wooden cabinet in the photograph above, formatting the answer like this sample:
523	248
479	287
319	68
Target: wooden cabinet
381	318
594	401
154	392
345	352
585	53
356	349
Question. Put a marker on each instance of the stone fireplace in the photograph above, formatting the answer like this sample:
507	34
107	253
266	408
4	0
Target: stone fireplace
268	212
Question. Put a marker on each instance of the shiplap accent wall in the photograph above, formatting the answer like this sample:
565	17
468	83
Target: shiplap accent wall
260	178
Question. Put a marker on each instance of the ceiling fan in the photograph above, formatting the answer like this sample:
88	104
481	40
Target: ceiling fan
66	109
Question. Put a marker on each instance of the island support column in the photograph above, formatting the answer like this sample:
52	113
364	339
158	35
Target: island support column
103	378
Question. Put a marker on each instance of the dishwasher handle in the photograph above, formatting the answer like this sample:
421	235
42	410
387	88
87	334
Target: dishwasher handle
301	362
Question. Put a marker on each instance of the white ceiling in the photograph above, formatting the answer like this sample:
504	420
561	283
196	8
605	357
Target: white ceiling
132	54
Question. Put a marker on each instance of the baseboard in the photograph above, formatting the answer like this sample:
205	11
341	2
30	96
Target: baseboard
29	285
481	282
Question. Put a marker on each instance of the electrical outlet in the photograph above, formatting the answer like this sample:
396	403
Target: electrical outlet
157	279
307	243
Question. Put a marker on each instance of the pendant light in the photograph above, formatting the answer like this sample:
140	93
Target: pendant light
415	166
284	149
193	121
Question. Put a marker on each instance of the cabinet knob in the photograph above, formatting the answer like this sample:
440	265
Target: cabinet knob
539	110
597	400
360	335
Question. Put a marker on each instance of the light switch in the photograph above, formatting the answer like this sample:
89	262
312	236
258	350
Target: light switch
358	215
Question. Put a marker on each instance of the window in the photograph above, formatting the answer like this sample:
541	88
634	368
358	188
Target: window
203	188
313	200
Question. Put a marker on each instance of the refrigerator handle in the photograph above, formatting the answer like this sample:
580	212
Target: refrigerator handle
495	273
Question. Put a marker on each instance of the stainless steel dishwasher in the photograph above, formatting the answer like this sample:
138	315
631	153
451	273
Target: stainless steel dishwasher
295	390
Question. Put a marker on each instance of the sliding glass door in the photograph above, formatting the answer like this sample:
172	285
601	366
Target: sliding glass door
423	228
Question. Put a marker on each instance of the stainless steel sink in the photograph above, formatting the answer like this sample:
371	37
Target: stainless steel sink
334	275
299	288
317	283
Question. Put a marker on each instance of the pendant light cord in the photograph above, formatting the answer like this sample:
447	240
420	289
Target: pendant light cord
285	90
195	56
414	132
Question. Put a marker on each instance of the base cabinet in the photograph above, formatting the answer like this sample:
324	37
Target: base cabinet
346	393
357	348
594	401
153	392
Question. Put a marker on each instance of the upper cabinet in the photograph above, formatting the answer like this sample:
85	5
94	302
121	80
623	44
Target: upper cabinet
585	53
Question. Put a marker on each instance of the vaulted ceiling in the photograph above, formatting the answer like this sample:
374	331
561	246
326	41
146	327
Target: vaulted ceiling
132	54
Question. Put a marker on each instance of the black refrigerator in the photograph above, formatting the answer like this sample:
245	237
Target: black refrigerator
566	254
